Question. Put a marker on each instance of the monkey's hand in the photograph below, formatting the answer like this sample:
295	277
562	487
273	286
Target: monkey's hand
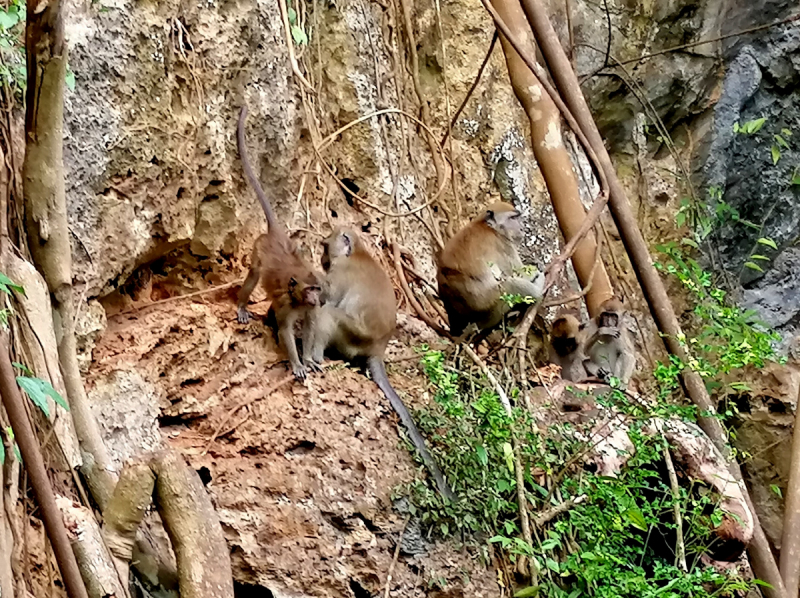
300	372
611	331
242	315
313	365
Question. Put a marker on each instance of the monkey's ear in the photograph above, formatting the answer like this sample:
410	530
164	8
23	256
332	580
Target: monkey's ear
292	282
348	242
489	216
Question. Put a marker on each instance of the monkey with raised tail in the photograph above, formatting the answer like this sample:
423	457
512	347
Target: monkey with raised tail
292	287
357	320
566	347
480	269
609	347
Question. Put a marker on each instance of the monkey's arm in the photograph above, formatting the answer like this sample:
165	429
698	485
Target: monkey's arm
524	287
286	320
626	363
244	294
378	372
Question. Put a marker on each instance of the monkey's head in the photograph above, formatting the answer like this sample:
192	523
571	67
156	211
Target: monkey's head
340	244
610	313
564	333
306	293
504	219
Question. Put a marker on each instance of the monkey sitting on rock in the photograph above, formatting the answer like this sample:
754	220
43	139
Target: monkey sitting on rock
479	269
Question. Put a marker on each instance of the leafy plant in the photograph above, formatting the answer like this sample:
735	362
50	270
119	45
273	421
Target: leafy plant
298	35
751	127
12	68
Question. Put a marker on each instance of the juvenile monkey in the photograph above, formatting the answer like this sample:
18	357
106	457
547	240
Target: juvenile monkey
357	320
609	347
291	286
480	265
566	347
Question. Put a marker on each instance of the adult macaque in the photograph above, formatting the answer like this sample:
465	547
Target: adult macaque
609	347
292	287
479	271
566	347
357	321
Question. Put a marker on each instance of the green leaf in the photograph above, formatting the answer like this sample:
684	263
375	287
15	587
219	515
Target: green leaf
8	19
7	285
781	141
690	242
680	218
528	592
445	529
23	367
786	132
776	154
768	242
292	16
759	257
761	583
753	266
636	518
69	79
2	452
483	456
299	36
796	178
508	453
17	454
38	390
777	490
754	126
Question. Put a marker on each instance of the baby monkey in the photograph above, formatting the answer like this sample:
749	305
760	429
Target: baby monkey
609	346
291	286
566	346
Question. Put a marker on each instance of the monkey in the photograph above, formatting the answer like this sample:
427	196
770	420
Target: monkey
609	347
566	347
357	320
480	265
291	285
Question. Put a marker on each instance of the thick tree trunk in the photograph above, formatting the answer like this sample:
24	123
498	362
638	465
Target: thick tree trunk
552	154
46	219
763	561
790	544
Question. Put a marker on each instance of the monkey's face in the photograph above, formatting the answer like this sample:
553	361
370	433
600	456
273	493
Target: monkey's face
339	244
507	223
312	296
609	319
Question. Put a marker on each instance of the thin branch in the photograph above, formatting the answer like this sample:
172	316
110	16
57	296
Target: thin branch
680	546
545	517
394	558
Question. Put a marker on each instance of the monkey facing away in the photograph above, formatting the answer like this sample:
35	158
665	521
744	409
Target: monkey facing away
609	347
566	347
292	287
357	320
479	266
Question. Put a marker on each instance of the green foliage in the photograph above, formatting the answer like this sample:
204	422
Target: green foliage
751	127
298	35
617	543
726	338
12	68
39	390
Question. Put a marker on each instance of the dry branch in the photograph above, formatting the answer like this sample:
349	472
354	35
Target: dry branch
34	465
790	544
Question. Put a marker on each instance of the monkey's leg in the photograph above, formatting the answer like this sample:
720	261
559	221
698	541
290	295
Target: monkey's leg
378	372
244	295
309	325
323	330
626	363
286	335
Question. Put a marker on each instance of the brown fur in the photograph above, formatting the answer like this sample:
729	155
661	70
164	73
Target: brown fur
291	286
358	319
566	350
478	265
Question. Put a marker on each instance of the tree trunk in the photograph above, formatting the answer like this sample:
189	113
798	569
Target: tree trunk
552	155
46	219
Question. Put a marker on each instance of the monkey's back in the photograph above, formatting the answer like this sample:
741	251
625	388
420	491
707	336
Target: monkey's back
277	258
368	300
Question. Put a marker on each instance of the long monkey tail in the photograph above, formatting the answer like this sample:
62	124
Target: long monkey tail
378	372
272	220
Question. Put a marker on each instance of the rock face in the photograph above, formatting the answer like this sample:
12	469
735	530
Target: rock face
158	207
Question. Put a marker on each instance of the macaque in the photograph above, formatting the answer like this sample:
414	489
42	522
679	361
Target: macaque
292	287
479	271
608	346
357	320
566	347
